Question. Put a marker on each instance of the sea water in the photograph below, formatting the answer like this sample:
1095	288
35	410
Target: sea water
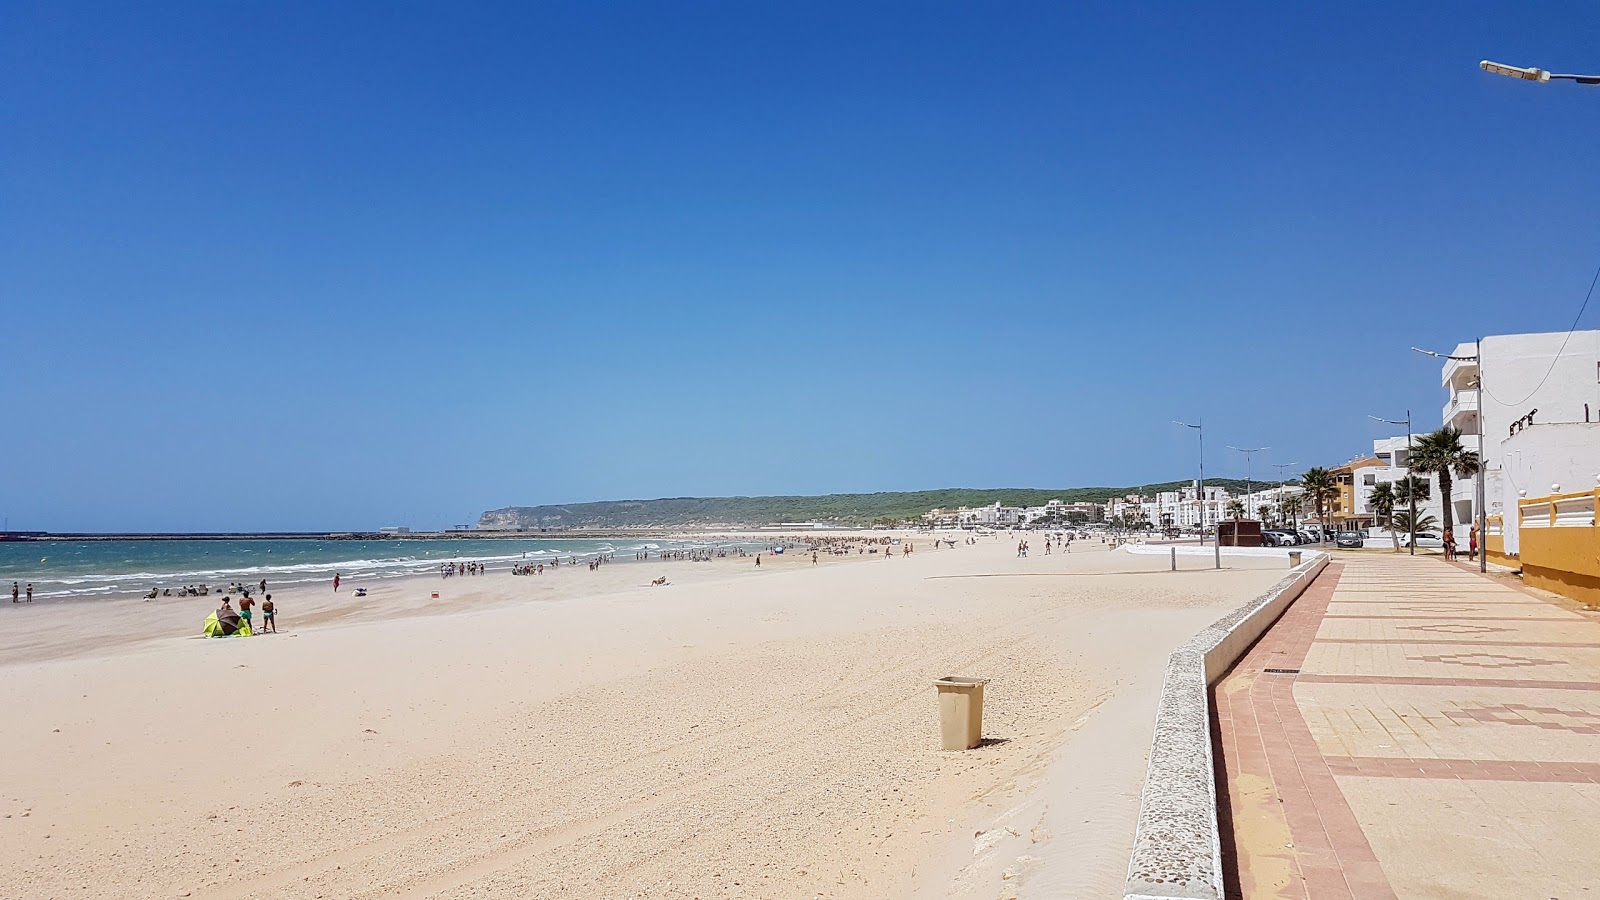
109	568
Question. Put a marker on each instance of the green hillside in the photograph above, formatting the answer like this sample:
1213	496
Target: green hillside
840	508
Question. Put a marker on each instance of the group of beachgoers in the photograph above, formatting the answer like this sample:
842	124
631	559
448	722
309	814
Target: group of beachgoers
15	593
201	590
269	612
447	570
530	569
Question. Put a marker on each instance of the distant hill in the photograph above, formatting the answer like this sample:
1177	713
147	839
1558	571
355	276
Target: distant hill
852	509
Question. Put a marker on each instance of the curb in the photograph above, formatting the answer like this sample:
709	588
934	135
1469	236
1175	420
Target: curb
1177	849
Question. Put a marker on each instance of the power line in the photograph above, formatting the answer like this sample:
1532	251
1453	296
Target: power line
1570	332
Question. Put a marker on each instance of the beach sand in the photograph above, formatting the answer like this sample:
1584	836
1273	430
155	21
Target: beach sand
738	733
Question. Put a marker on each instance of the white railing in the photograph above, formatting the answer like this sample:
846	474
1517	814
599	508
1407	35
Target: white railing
1575	512
1536	514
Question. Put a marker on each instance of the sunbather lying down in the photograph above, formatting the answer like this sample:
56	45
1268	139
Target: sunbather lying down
660	581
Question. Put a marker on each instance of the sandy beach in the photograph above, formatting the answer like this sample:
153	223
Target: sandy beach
741	732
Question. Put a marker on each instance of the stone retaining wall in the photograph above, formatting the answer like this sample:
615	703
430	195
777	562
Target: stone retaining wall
1177	850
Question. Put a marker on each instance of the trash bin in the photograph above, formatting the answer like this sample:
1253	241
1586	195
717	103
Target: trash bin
960	712
1294	558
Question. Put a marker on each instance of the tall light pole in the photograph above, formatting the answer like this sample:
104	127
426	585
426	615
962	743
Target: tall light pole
1200	493
1529	73
1411	489
1482	525
1248	453
1280	467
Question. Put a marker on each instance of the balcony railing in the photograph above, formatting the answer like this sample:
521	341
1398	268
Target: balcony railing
1461	404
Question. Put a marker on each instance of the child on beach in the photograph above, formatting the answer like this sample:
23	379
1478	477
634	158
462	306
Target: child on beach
269	620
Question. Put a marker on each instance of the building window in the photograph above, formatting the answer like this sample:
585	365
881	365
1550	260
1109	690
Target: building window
1369	479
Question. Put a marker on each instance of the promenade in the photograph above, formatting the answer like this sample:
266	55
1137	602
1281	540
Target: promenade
1413	729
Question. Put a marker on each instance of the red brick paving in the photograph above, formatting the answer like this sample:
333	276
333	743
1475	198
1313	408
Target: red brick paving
1264	736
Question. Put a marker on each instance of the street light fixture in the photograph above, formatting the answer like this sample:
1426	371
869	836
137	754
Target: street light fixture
1248	453
1530	73
1294	519
1411	489
1477	385
1200	493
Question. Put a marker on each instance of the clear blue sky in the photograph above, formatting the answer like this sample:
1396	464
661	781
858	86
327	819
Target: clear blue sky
280	266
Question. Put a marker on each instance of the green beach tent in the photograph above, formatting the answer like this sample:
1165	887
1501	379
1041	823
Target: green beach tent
226	624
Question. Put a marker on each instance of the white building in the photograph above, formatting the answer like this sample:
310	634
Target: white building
1540	391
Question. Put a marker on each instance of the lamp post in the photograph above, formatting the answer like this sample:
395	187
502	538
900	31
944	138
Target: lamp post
1199	426
1411	489
1482	525
1295	520
1248	453
1530	73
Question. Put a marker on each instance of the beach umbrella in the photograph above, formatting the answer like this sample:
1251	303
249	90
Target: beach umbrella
226	623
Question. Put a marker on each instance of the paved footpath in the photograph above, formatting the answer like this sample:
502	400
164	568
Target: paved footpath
1436	734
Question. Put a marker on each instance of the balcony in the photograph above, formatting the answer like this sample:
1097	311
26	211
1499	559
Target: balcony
1462	411
1460	373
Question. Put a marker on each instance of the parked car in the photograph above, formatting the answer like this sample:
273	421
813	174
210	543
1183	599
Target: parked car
1424	539
1305	537
1271	539
1351	539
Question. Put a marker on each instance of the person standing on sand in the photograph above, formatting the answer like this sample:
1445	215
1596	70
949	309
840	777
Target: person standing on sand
268	614
758	560
813	557
263	587
336	582
30	592
13	592
244	608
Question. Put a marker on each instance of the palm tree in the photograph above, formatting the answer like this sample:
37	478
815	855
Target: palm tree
1441	453
1235	508
1320	487
1289	507
1381	499
1425	521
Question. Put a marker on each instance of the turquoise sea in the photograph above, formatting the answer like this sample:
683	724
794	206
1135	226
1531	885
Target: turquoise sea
68	569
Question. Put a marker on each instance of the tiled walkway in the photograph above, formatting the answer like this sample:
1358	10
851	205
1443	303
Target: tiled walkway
1434	734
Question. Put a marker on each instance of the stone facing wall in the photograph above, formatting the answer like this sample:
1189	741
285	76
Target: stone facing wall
1177	850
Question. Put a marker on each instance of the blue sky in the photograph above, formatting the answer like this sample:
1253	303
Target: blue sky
343	266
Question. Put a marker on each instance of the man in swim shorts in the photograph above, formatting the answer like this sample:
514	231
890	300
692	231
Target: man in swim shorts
244	608
268	611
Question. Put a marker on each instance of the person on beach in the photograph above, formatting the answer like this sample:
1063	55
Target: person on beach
244	608
813	557
1450	544
336	582
269	621
263	587
30	592
758	564
13	592
1472	544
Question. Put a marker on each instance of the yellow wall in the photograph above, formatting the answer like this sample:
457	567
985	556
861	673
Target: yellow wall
1495	544
1561	558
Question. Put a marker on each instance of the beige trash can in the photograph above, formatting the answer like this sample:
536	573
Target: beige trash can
1294	558
960	712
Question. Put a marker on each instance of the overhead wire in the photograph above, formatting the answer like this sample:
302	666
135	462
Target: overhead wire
1570	332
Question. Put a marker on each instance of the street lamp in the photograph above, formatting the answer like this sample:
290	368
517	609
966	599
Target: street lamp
1411	489
1482	510
1200	494
1532	74
1248	453
1295	519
